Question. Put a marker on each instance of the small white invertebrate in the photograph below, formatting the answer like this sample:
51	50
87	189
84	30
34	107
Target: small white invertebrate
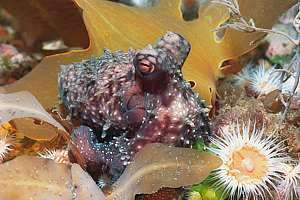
58	155
252	162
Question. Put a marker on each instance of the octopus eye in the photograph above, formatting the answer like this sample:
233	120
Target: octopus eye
145	64
149	72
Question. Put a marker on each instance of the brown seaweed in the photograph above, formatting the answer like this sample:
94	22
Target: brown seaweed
23	108
158	165
29	177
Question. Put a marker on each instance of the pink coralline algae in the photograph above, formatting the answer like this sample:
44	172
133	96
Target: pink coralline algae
125	100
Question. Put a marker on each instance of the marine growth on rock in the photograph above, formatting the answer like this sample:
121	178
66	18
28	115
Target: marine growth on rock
129	99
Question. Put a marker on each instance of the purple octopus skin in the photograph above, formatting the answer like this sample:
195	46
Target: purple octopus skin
139	95
102	158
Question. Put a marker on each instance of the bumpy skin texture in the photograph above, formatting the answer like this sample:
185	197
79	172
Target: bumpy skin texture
102	158
139	95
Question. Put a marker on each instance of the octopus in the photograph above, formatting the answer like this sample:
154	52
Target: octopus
125	100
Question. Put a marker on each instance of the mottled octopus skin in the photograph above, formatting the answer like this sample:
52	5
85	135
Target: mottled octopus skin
140	95
102	158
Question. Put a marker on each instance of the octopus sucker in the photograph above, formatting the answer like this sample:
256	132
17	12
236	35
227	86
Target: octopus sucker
125	100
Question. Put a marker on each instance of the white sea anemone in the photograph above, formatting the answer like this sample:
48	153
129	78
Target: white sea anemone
6	144
264	80
261	80
252	162
287	86
243	77
289	188
58	155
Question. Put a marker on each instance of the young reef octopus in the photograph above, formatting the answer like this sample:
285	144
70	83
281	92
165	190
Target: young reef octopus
125	100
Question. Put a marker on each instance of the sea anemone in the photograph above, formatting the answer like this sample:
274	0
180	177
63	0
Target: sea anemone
7	141
264	80
289	188
243	77
252	162
287	90
288	85
259	79
58	155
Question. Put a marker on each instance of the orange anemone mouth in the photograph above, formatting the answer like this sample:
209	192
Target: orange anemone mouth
252	162
247	165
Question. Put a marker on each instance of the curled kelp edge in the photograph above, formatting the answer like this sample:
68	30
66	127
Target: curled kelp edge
44	178
21	106
158	165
